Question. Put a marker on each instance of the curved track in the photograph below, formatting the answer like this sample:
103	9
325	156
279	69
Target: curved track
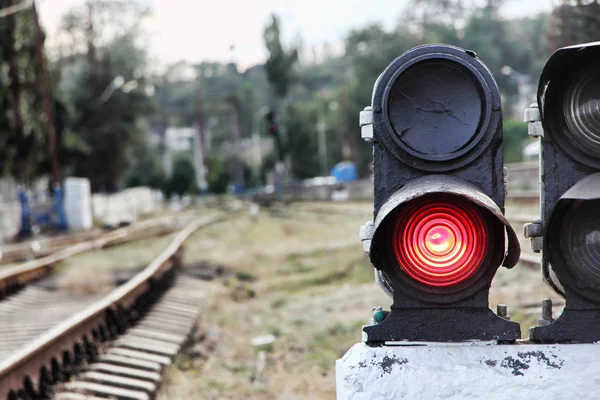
33	365
15	278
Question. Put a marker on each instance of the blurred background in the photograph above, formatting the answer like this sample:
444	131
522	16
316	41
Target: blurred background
173	94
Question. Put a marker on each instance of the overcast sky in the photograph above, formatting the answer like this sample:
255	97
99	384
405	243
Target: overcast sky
197	30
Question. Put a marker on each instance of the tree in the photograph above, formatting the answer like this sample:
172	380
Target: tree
183	180
302	119
146	169
515	137
437	21
279	70
575	22
279	65
368	52
109	93
218	174
302	91
22	123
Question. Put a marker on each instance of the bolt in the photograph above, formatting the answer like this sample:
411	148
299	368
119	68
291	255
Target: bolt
547	310
366	116
537	243
533	119
532	114
366	124
546	313
378	314
502	311
366	231
533	229
366	234
535	129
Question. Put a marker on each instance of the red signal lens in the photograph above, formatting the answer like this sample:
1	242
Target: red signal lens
440	242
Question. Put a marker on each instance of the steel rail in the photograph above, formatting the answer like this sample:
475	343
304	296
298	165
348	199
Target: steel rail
17	276
48	245
29	365
22	251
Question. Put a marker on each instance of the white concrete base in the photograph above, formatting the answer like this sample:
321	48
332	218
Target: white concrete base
460	371
78	203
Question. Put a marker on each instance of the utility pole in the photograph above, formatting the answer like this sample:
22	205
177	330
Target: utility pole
322	131
46	97
199	142
256	146
198	156
200	117
237	167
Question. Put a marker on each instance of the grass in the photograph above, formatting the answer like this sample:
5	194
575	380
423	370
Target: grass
312	300
307	282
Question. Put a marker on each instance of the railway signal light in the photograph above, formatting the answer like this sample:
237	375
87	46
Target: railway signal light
272	128
273	131
569	112
439	232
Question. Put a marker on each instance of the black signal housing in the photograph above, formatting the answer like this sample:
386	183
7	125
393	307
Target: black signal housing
437	140
569	104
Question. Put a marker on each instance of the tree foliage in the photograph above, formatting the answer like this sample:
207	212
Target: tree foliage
103	129
183	180
23	127
515	136
575	22
279	65
107	117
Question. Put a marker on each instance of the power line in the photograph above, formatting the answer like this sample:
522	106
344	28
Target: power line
5	12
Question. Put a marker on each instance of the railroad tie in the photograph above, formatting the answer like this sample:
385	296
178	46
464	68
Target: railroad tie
132	366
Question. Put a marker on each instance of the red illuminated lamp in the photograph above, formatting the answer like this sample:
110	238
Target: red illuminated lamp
272	129
440	243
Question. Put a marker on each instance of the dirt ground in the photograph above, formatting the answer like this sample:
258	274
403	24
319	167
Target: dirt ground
302	284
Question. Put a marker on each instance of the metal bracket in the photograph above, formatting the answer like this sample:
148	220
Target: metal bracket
366	234
366	124
533	118
534	231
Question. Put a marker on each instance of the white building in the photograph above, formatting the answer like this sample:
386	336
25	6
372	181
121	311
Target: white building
184	140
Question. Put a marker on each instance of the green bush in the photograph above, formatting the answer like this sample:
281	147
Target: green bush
515	138
183	179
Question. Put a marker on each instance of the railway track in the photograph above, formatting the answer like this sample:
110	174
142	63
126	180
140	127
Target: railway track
132	366
44	246
15	278
41	348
